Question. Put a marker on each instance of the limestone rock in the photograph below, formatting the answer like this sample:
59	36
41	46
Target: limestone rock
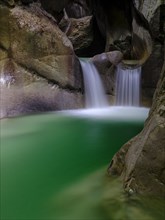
33	45
148	7
115	57
140	163
24	92
39	39
80	32
142	166
154	12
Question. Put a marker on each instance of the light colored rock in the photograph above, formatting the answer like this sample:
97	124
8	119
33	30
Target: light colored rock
80	32
115	57
154	12
23	92
36	57
148	7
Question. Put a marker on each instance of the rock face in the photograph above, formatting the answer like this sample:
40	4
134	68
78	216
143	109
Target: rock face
36	54
124	29
154	12
38	51
79	31
151	73
141	161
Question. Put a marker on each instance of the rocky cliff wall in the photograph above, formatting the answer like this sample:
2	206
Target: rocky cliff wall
141	161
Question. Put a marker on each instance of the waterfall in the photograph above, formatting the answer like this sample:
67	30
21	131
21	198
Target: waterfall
128	86
95	96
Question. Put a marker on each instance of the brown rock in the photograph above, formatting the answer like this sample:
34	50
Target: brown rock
23	92
115	57
80	32
35	52
142	166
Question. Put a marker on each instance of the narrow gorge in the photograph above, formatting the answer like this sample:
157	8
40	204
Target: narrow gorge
82	109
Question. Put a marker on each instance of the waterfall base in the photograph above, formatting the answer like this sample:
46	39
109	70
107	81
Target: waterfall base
117	113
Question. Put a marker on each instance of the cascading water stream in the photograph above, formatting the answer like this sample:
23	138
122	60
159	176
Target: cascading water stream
128	86
94	91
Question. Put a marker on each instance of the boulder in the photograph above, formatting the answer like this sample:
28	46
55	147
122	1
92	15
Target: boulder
78	30
24	92
32	44
106	65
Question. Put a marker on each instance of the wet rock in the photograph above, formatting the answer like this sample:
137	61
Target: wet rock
24	92
32	44
115	57
142	164
124	28
106	64
79	31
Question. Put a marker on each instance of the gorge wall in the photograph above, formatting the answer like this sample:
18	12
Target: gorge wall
40	42
140	162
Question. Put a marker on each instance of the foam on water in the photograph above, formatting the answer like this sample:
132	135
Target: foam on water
113	113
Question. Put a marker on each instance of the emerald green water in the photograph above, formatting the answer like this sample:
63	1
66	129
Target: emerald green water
100	197
42	156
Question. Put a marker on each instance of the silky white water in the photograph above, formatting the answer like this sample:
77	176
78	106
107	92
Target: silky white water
128	86
113	113
95	96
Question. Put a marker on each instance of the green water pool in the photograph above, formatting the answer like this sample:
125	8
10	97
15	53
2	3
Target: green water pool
44	155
